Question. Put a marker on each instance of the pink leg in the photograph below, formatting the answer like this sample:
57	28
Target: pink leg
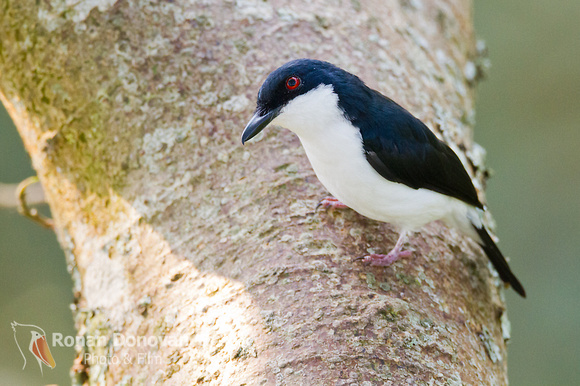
395	254
330	202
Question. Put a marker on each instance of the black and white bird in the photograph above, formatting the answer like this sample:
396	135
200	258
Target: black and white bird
373	155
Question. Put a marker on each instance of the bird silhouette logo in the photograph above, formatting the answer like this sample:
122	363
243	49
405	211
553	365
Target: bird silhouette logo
38	346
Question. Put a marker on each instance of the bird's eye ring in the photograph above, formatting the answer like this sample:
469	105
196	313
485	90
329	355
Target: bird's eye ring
292	83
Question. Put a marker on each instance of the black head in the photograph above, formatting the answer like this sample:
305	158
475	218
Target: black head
293	79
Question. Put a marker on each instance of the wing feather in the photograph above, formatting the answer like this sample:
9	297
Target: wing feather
402	149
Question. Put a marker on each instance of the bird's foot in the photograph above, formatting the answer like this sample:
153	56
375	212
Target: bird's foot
330	202
384	260
388	259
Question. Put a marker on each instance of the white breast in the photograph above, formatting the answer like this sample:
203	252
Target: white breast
334	147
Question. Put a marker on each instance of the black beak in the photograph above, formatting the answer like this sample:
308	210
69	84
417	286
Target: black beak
258	123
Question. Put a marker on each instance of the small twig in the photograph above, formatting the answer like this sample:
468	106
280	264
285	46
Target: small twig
8	199
25	210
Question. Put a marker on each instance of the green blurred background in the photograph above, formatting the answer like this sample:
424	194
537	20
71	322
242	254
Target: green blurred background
528	119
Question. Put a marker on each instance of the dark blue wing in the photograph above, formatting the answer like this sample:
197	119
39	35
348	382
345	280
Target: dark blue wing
402	149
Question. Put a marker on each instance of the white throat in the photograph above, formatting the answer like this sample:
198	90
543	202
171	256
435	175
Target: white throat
312	114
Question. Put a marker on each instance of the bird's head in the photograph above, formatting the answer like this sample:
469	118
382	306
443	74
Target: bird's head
302	96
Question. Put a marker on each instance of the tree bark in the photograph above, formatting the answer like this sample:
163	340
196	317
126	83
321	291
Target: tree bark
132	113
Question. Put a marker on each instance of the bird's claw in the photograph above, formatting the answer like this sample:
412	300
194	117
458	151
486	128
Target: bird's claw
383	260
330	202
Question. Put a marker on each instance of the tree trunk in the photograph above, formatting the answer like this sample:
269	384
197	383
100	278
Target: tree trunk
132	113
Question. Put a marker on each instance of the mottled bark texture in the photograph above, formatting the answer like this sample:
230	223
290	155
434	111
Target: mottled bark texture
132	113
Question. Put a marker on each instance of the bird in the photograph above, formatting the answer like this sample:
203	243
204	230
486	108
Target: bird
373	156
37	346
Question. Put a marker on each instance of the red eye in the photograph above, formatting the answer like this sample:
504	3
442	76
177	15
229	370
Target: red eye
292	83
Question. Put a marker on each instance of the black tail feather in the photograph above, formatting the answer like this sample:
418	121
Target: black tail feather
498	261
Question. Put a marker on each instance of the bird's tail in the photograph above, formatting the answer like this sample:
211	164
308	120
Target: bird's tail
498	261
